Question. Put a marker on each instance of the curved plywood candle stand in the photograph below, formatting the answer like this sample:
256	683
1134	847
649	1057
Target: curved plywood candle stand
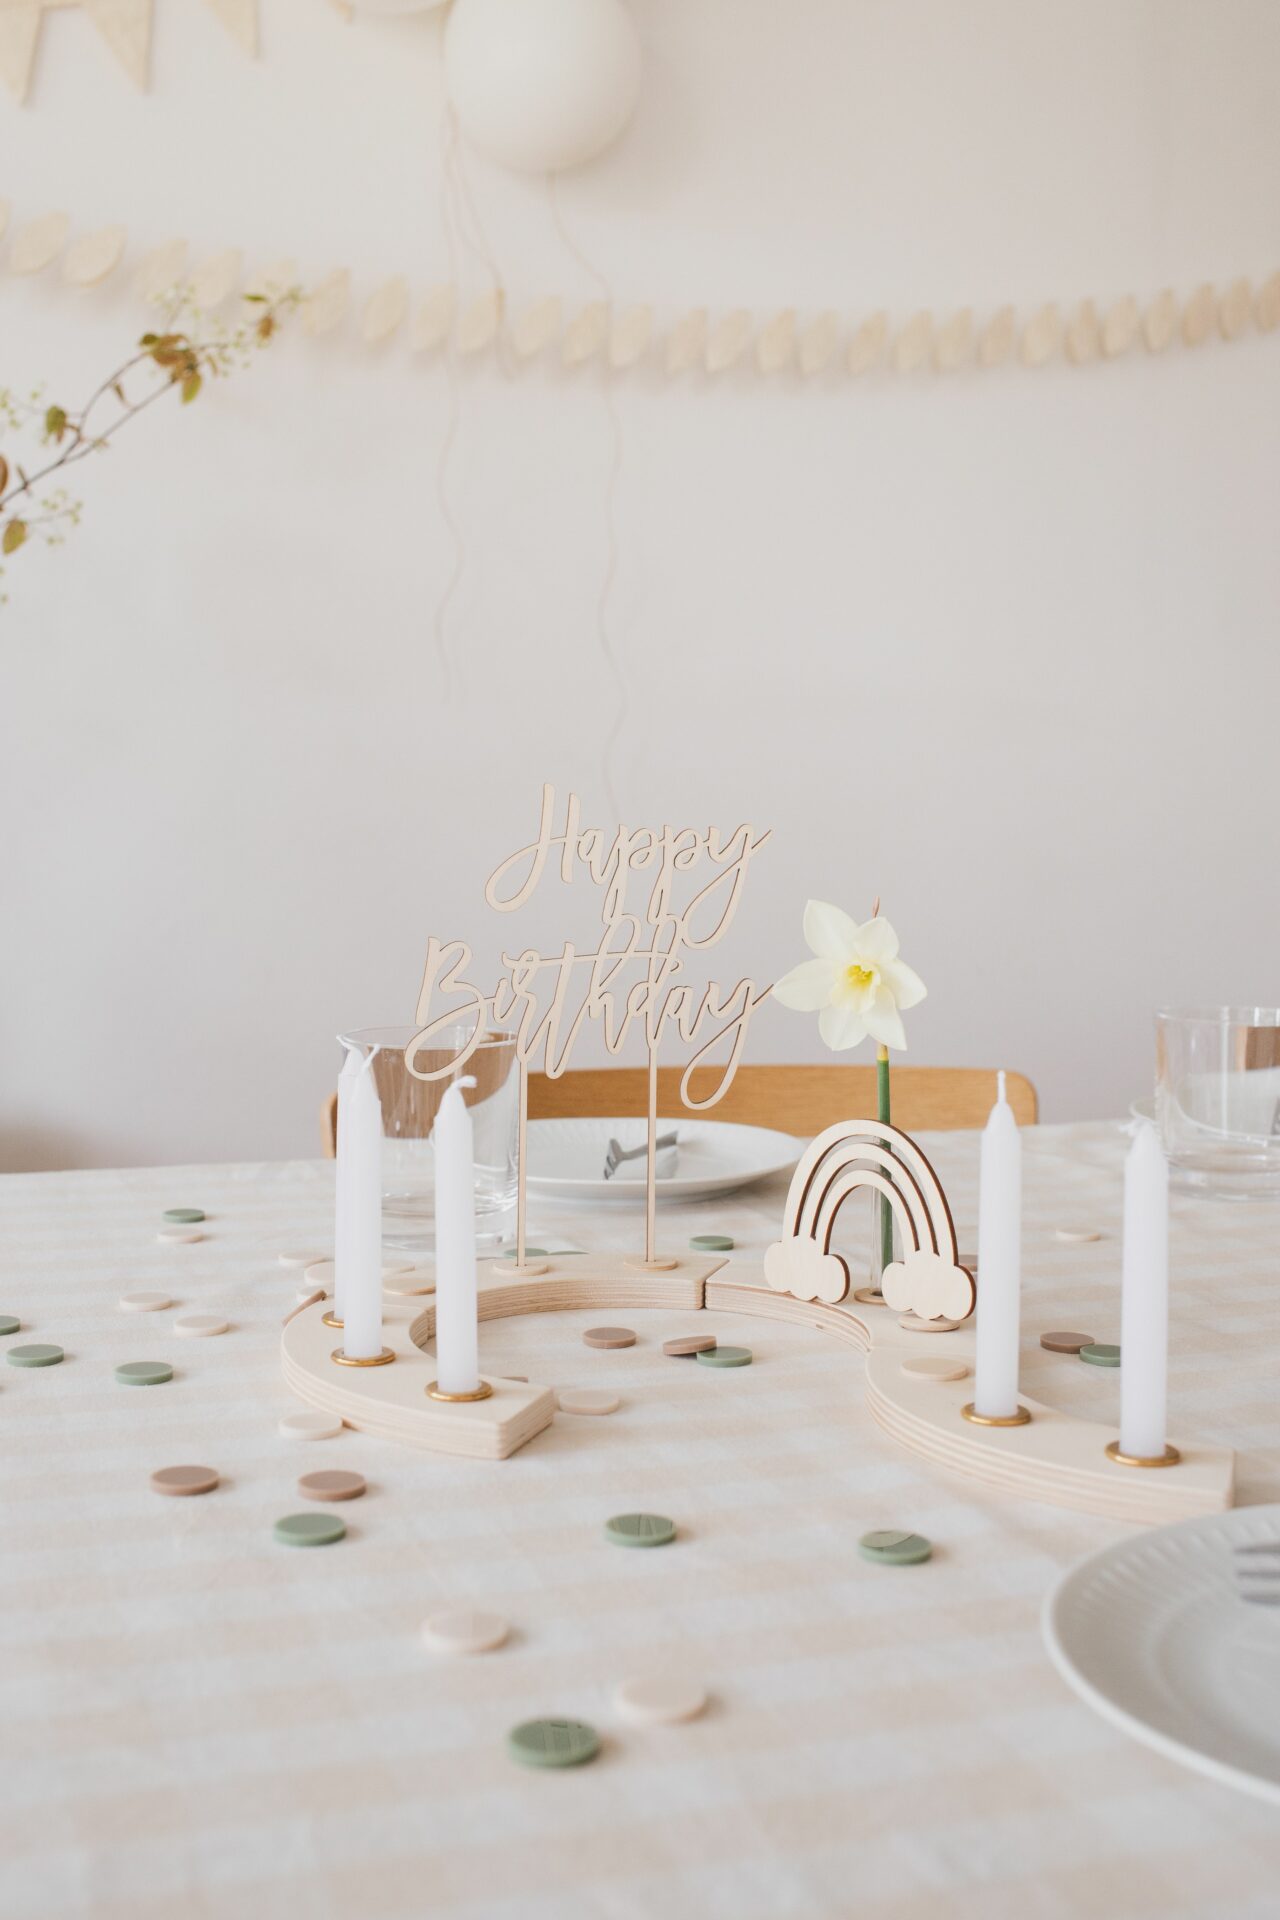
1057	1457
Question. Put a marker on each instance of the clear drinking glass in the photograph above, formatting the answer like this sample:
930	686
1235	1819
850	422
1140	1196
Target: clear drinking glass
409	1108
1218	1099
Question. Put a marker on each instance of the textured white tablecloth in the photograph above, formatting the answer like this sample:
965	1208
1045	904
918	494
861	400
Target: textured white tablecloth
197	1722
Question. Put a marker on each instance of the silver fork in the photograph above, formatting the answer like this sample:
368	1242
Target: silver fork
1257	1570
617	1154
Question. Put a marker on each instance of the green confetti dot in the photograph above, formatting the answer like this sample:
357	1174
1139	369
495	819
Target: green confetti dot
890	1547
640	1530
725	1357
34	1356
144	1373
9	1323
712	1243
553	1743
310	1529
184	1216
1100	1355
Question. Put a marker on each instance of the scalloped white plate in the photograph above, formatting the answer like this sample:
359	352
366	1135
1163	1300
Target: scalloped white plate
1155	1634
566	1158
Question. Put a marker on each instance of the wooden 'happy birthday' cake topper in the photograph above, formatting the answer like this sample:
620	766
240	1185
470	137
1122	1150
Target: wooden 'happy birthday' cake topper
632	981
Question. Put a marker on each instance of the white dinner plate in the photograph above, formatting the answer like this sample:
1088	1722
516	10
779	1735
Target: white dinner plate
1156	1634
566	1158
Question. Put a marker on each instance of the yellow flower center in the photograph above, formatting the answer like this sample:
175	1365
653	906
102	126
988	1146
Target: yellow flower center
860	977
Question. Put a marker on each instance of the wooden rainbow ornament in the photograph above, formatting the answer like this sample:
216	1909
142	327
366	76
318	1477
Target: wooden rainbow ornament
928	1281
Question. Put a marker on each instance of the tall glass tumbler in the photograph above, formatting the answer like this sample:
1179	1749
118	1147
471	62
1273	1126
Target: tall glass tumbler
409	1108
1218	1099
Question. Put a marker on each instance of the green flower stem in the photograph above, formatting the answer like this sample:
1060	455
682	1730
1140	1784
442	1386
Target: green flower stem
886	1211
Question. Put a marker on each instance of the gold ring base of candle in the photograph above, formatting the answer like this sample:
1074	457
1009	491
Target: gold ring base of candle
331	1319
1018	1419
482	1392
1169	1458
660	1263
525	1269
342	1359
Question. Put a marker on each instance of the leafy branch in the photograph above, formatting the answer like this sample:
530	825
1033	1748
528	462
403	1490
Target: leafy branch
180	358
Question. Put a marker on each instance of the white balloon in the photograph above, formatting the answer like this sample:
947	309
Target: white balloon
541	84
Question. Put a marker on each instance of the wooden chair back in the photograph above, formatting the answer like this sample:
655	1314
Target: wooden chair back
799	1100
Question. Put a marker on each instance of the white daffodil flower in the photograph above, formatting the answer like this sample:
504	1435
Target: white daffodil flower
855	982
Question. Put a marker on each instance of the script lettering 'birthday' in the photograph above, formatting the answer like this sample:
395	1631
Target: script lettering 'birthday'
632	981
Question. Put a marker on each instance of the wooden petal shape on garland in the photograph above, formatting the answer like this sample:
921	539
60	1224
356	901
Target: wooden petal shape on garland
776	347
631	335
998	337
92	257
867	344
1160	321
38	244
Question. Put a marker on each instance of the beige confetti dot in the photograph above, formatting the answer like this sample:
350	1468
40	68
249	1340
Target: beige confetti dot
587	1400
464	1630
200	1326
143	1302
1076	1236
299	1259
914	1324
179	1236
310	1426
924	1366
660	1699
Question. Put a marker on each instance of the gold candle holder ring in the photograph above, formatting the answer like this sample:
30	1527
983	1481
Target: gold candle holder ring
1018	1419
1169	1458
342	1359
482	1392
330	1319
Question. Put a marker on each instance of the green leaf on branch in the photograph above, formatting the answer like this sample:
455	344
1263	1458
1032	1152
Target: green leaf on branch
14	535
55	423
190	388
4	473
148	339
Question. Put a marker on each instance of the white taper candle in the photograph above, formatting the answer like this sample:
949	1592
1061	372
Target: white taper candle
361	1313
351	1064
1144	1307
995	1394
457	1352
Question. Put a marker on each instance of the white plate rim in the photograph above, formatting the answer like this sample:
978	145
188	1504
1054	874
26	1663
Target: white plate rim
567	1187
1058	1601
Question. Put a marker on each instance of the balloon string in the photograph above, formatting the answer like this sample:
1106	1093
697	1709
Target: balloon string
604	638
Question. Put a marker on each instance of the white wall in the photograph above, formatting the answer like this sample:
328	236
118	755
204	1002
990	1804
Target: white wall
1001	648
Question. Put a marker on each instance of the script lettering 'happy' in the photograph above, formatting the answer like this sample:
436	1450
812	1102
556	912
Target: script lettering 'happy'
632	979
